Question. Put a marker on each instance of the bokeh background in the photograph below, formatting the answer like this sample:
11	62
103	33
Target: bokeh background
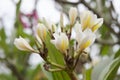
18	17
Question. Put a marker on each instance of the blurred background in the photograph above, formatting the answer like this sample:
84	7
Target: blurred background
18	17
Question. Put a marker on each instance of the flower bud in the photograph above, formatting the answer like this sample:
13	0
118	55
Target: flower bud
22	44
38	39
72	15
41	31
61	42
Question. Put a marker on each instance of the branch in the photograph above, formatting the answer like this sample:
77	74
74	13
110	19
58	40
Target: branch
66	2
13	68
105	42
15	71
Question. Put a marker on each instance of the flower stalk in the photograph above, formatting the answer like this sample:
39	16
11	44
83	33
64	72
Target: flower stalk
73	76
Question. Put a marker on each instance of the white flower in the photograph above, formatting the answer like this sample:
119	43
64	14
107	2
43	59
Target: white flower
78	32
50	25
61	42
85	39
72	15
41	31
54	28
77	27
22	44
90	20
38	39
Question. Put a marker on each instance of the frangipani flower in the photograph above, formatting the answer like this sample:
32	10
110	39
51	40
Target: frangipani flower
41	31
87	41
84	38
38	39
50	25
22	44
72	15
61	42
90	20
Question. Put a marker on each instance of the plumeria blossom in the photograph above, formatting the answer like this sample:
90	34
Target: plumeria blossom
38	39
71	46
90	20
41	31
72	15
22	44
50	25
61	41
87	40
84	38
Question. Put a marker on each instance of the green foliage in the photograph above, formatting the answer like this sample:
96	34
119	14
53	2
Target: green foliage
105	50
88	74
7	77
110	70
107	69
56	57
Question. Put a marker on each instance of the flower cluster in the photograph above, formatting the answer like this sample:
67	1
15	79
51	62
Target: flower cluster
61	37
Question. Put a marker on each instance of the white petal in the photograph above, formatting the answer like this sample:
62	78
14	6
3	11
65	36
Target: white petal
79	37
38	39
72	15
26	44
22	44
55	35
60	41
41	31
53	42
77	27
87	31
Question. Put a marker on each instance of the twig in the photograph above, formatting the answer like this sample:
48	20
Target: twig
66	2
104	42
13	68
94	11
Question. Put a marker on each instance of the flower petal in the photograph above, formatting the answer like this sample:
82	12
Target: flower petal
72	15
22	44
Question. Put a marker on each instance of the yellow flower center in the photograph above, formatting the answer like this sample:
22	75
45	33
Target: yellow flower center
85	45
86	23
63	46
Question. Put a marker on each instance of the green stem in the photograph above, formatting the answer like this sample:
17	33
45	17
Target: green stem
56	65
54	70
72	75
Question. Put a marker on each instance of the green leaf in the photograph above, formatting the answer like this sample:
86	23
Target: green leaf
104	31
53	53
58	58
3	43
88	74
107	73
117	54
7	77
96	72
105	50
2	34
